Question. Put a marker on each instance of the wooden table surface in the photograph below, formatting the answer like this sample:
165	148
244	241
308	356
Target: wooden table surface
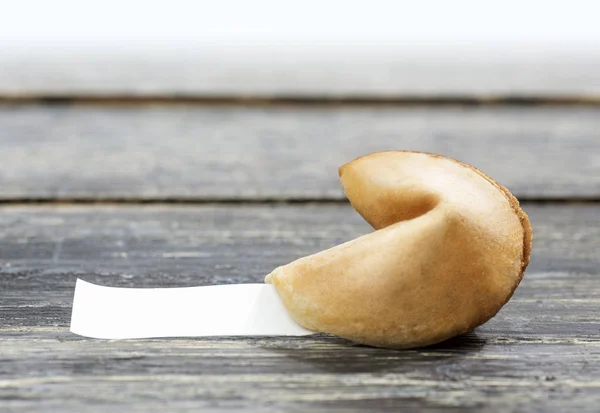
166	195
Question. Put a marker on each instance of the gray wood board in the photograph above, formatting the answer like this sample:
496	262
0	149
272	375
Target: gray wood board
200	152
540	353
292	71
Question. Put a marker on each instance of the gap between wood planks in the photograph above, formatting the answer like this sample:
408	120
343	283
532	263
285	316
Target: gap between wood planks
304	100
241	201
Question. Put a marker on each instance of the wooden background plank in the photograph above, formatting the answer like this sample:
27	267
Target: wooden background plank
292	71
541	353
44	248
200	152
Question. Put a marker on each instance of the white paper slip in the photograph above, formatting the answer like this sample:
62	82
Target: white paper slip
220	310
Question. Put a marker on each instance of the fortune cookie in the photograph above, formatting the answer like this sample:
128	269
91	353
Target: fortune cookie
449	248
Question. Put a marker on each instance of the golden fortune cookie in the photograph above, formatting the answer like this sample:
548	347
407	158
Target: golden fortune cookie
450	247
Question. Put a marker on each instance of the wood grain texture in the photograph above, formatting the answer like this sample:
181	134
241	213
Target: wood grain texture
196	152
541	353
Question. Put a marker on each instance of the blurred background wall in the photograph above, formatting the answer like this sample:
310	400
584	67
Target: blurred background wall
303	48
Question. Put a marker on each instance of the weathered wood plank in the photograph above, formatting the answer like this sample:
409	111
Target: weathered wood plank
473	373
541	353
198	152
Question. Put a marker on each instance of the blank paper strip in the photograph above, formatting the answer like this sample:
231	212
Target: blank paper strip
220	310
